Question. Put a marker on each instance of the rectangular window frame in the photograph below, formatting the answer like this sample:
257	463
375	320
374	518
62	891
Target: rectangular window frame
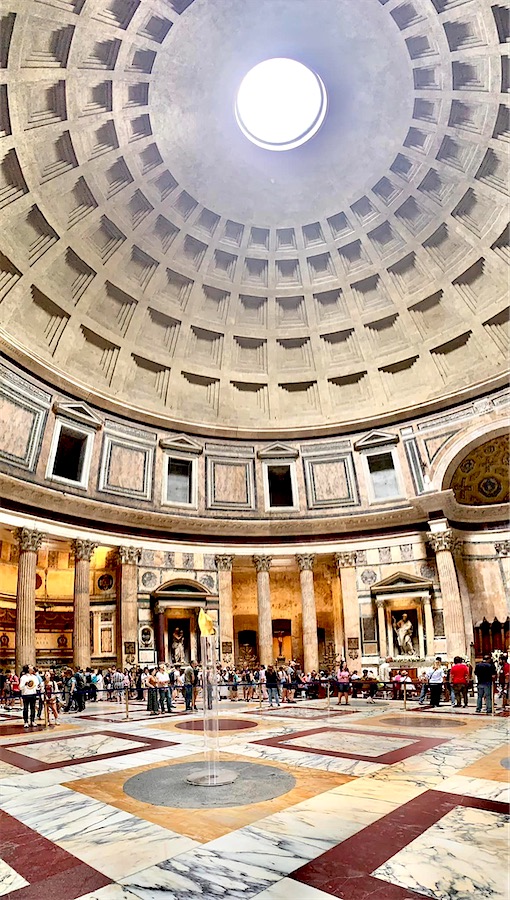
79	431
266	465
183	457
380	451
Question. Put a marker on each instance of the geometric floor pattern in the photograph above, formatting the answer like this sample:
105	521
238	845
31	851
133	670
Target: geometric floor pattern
381	805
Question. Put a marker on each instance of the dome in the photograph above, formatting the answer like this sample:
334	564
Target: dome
155	261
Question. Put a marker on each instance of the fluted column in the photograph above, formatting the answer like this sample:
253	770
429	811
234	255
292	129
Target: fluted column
338	616
83	551
346	564
159	632
305	563
444	543
224	565
429	625
127	604
29	543
265	622
381	623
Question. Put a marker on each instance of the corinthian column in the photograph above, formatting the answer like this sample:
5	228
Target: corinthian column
346	564
444	543
224	565
83	551
265	622
429	626
305	563
29	543
127	604
381	622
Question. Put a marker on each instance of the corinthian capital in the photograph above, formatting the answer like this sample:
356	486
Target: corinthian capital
305	561
502	548
83	549
29	540
443	540
346	558
224	562
129	555
379	602
262	563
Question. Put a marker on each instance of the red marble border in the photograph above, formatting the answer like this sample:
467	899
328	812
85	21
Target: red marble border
52	873
419	745
29	764
345	870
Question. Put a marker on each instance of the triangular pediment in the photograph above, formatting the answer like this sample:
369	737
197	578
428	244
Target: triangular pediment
401	581
79	412
376	438
183	444
277	450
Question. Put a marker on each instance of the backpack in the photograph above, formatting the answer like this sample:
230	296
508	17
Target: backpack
80	681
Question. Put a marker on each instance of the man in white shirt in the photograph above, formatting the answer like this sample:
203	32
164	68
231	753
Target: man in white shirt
436	676
385	671
163	680
28	686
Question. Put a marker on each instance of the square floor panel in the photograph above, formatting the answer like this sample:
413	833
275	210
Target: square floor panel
56	752
383	747
206	824
424	848
34	868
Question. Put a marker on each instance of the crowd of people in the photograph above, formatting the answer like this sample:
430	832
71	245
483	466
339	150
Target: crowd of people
164	686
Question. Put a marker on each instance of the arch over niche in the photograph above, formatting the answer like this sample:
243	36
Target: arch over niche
482	476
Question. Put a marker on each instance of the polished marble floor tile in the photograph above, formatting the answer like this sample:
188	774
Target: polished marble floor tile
10	880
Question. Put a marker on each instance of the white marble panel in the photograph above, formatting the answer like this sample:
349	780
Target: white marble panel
341	742
76	747
443	862
286	889
476	787
10	880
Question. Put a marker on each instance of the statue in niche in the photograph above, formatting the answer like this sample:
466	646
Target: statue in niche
404	632
178	646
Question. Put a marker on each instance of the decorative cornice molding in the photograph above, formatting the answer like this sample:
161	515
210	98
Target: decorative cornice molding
83	549
224	562
305	561
345	558
262	563
29	540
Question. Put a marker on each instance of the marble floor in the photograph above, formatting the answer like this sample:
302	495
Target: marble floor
386	804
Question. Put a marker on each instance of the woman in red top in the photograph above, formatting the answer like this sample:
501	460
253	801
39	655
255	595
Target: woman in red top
459	680
343	678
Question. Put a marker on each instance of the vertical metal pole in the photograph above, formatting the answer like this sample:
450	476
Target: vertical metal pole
405	695
126	699
260	695
46	717
328	697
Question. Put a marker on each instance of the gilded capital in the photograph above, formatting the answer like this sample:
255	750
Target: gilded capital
129	556
379	602
346	558
83	549
262	563
224	562
305	561
502	548
443	540
29	540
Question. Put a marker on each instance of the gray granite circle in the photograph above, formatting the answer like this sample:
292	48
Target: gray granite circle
427	721
167	786
505	762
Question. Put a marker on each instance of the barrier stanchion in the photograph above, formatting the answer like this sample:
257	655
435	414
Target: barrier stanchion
260	696
493	691
126	698
46	717
405	695
328	696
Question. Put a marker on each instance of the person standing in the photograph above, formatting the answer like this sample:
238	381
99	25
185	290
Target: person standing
163	682
189	679
272	685
28	686
436	679
152	693
485	674
50	689
459	677
343	679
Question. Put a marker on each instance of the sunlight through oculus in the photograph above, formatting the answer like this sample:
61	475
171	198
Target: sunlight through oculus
280	104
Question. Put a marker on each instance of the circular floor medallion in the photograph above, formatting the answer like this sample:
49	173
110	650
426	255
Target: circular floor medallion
424	722
167	786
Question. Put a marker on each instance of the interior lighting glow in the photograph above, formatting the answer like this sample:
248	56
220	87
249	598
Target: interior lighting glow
280	104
